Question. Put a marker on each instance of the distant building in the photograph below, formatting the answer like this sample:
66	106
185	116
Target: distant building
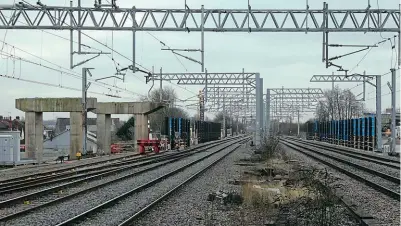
63	124
61	143
386	118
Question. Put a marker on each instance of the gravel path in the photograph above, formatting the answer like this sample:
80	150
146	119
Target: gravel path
366	175
380	206
190	207
60	212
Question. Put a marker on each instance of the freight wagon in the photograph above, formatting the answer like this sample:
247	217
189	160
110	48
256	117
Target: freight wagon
179	130
356	133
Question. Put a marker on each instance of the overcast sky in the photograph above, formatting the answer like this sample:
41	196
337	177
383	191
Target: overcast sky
283	59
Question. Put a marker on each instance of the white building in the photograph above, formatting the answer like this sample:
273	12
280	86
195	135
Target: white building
60	144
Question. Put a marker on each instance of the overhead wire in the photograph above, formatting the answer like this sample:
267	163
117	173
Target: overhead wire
113	50
58	86
382	95
370	49
68	73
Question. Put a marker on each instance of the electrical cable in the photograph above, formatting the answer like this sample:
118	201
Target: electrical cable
383	95
115	51
59	86
74	74
370	49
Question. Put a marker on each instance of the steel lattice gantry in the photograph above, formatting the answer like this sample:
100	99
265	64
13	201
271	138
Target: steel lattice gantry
215	20
340	78
200	78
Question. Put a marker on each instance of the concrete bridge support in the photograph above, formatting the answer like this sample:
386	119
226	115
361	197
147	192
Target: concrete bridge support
140	110
34	135
141	127
34	108
76	133
103	133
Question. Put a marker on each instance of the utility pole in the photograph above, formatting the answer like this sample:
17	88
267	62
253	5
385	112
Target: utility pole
298	121
224	117
379	113
267	113
393	110
203	38
85	88
161	85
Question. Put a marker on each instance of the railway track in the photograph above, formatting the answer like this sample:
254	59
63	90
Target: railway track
378	180
388	162
82	171
62	193
165	185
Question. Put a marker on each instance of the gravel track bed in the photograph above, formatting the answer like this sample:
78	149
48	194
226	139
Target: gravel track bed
26	191
377	167
19	193
127	207
21	170
366	175
62	211
189	206
377	204
70	190
354	150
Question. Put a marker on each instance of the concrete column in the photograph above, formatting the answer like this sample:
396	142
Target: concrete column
141	127
103	133
76	135
34	135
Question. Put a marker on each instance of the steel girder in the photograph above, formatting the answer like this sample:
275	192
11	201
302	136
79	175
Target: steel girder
340	78
297	90
229	90
214	20
200	78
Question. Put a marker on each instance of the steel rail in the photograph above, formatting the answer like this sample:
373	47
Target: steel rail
70	196
45	176
389	192
96	209
46	173
54	188
91	175
366	169
140	213
356	155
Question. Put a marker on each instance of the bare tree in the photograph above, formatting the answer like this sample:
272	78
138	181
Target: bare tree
338	104
169	97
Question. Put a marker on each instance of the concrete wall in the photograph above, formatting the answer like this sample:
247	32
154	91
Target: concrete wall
53	104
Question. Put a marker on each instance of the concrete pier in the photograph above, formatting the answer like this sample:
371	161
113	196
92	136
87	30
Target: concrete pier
34	135
34	108
140	110
76	134
103	134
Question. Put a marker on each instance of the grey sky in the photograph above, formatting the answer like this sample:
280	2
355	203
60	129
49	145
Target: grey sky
283	59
